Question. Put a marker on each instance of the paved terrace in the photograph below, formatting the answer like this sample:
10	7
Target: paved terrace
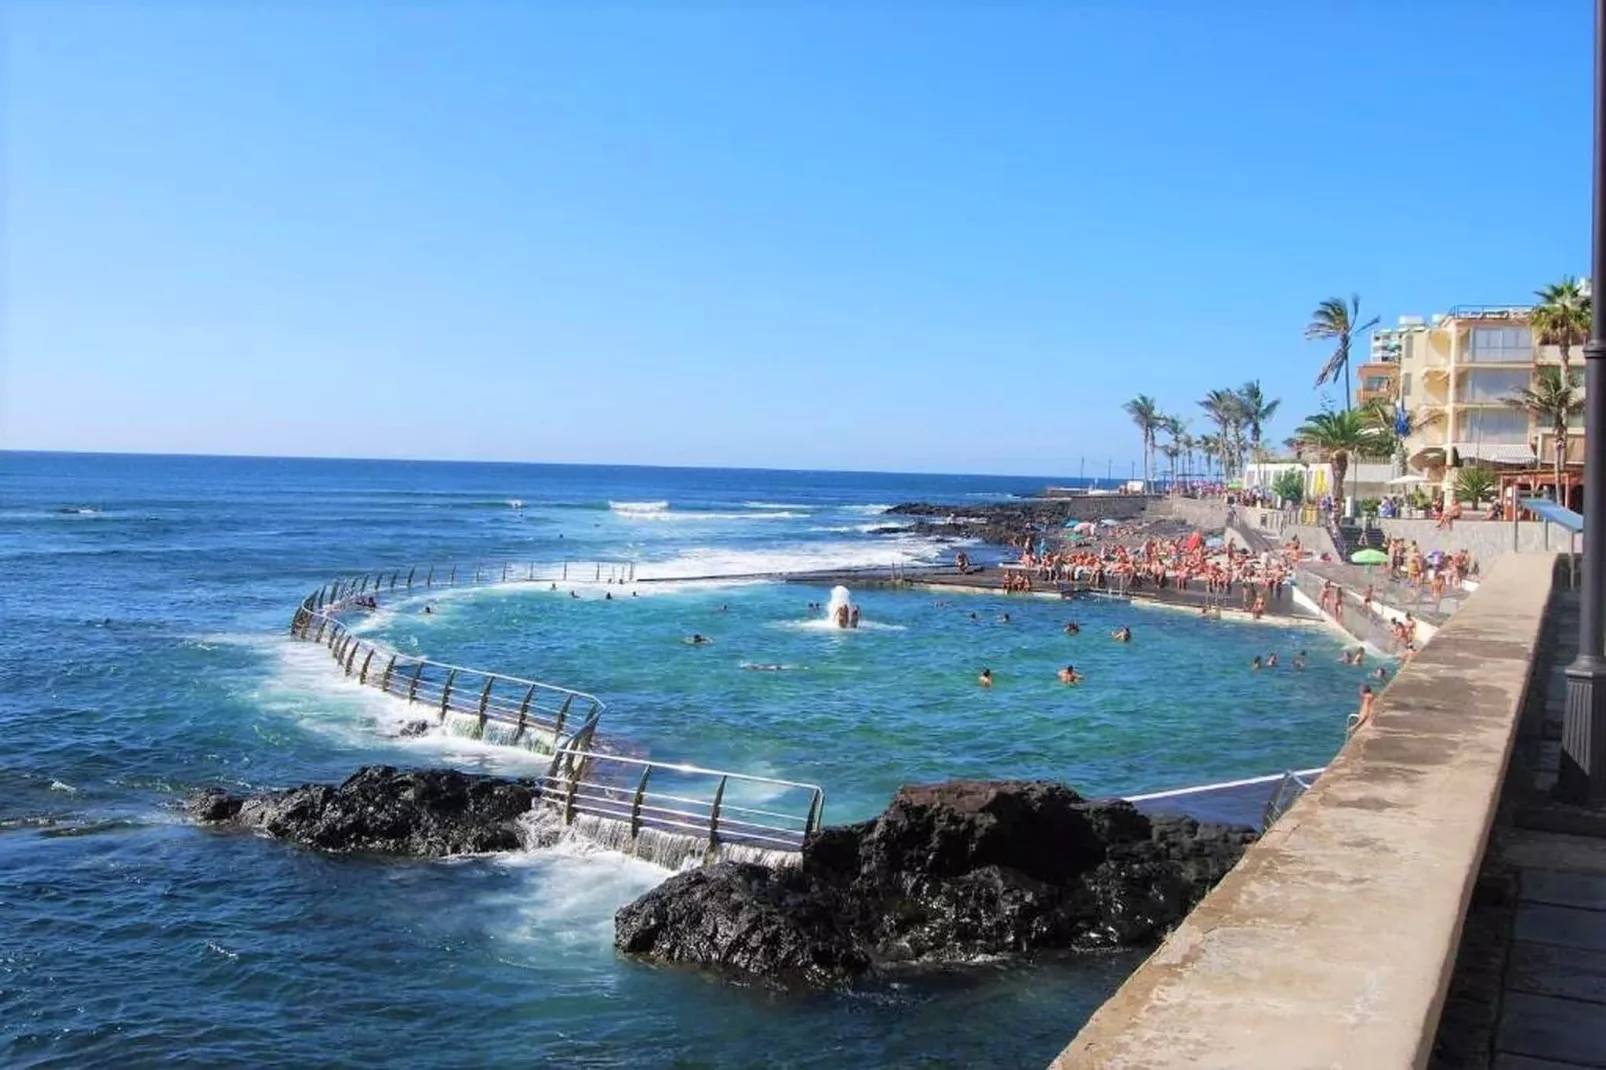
1332	943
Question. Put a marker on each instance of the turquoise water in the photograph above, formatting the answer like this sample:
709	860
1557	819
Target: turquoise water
896	701
146	603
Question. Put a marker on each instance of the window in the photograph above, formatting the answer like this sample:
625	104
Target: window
1494	427
1375	383
1493	344
1405	384
1492	384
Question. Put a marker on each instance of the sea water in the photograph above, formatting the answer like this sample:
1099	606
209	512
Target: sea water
145	652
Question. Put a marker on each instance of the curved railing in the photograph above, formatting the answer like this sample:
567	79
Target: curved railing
669	813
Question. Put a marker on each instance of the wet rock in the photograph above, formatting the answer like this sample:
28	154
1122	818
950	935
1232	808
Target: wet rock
427	813
413	729
947	872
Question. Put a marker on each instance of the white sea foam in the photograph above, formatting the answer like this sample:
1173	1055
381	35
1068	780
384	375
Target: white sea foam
570	894
671	516
639	507
820	624
307	687
713	561
783	506
867	510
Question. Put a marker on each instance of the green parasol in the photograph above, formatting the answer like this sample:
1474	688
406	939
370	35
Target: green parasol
1369	557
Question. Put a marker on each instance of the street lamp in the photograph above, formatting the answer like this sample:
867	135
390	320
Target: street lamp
1582	776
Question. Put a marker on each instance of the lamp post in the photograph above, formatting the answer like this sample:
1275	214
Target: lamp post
1582	776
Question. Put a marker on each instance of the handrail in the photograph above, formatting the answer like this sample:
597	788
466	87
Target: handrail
615	793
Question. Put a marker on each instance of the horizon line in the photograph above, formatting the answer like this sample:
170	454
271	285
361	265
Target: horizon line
538	464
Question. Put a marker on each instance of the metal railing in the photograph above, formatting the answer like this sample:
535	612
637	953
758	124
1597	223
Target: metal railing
672	812
1287	792
496	707
666	812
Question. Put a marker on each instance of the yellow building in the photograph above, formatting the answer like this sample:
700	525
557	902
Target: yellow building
1455	372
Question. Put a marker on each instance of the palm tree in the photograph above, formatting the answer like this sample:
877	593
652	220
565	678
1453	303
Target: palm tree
1555	397
1225	407
1187	443
1561	318
1397	424
1210	447
1339	437
1256	411
1335	320
1172	451
1146	414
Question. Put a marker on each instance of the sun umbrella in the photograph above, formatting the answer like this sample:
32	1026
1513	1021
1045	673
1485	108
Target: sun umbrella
1369	557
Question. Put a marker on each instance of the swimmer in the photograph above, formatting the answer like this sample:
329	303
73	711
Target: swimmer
1347	658
428	610
635	594
1255	665
1271	661
573	595
764	668
1069	675
853	617
1122	635
986	678
698	639
1299	661
553	587
1071	628
1003	618
973	615
1380	674
1360	655
1364	714
607	596
724	609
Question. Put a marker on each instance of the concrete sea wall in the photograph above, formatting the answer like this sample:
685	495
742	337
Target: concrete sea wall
1332	942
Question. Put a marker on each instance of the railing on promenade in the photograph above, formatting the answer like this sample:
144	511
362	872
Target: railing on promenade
670	813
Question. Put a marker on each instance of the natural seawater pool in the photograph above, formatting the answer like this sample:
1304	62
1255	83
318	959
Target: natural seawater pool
861	712
146	653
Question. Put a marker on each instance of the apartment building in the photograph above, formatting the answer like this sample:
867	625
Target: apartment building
1455	371
1381	372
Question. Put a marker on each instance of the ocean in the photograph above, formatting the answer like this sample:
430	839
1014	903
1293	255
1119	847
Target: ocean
146	653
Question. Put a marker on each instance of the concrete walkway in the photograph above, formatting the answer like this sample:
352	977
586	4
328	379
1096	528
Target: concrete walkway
1529	991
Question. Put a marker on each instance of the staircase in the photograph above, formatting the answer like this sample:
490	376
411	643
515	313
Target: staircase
1350	536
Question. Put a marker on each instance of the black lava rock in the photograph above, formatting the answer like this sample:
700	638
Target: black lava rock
947	872
427	813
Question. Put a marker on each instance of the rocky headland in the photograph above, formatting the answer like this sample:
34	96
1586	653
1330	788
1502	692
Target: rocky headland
947	873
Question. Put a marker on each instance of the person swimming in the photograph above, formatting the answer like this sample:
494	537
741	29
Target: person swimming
1299	661
986	678
1069	675
1380	674
427	609
698	639
1122	634
1271	661
1003	618
607	596
573	595
1255	664
1072	628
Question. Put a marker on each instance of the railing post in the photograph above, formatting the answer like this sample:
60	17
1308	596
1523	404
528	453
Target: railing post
635	804
412	688
575	769
453	578
352	656
713	814
410	576
393	576
524	713
323	622
816	812
384	683
504	572
563	713
362	678
485	697
446	694
429	581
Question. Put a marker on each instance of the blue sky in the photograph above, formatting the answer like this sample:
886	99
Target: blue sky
902	236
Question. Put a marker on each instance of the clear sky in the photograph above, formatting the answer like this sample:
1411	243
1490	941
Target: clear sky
933	237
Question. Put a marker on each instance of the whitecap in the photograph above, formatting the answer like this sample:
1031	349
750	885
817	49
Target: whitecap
639	507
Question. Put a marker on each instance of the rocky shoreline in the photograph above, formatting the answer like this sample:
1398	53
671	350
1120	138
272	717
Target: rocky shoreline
946	873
